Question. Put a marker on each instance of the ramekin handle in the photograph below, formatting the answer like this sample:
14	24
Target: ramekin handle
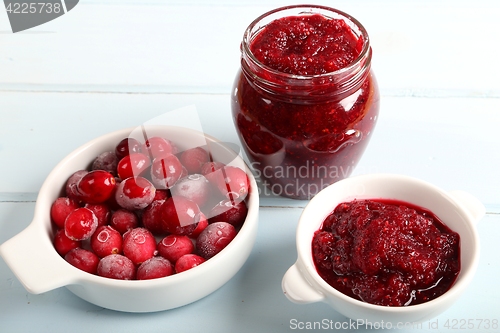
470	203
34	261
297	289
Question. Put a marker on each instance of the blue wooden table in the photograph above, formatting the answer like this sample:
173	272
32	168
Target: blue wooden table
109	65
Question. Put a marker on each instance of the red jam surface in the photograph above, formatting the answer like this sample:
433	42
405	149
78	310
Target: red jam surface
299	147
386	252
306	45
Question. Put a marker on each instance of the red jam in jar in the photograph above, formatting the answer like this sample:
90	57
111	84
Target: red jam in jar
386	252
305	101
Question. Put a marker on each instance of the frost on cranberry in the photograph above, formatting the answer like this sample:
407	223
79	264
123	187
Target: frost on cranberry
106	241
154	268
133	165
80	224
166	171
194	187
229	211
63	244
123	220
83	259
126	147
60	210
172	247
179	215
95	187
139	245
116	266
135	193
193	159
106	161
214	239
157	147
187	262
71	188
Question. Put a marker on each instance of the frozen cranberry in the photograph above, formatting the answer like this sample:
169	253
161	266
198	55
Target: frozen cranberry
61	208
157	146
97	186
105	241
166	171
116	266
126	147
173	247
210	167
63	244
200	226
214	239
193	159
123	220
106	161
188	261
71	185
135	193
151	217
101	211
232	212
133	165
83	259
179	215
80	224
194	187
231	181
184	172
139	245
154	268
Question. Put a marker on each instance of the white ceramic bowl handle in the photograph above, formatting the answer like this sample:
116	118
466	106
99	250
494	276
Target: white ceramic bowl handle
297	289
470	203
35	263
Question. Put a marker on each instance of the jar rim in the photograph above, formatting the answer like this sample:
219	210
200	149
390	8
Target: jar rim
365	51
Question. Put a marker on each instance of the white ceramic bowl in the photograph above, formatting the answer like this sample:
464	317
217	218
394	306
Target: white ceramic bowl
458	210
34	261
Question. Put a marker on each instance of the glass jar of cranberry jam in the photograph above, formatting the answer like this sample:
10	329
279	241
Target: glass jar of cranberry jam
305	100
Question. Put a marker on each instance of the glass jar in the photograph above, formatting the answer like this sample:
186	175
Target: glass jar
304	132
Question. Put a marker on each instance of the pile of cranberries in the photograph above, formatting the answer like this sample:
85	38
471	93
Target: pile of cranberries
146	210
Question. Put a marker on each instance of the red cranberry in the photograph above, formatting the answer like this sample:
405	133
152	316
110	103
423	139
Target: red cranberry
194	187
102	212
83	259
157	146
105	241
154	268
116	266
139	245
63	244
193	159
231	181
96	186
106	161
229	211
123	220
60	210
188	261
173	247
200	226
161	194
179	215
127	146
151	217
133	165
135	193
210	167
214	239
71	185
80	224
166	171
